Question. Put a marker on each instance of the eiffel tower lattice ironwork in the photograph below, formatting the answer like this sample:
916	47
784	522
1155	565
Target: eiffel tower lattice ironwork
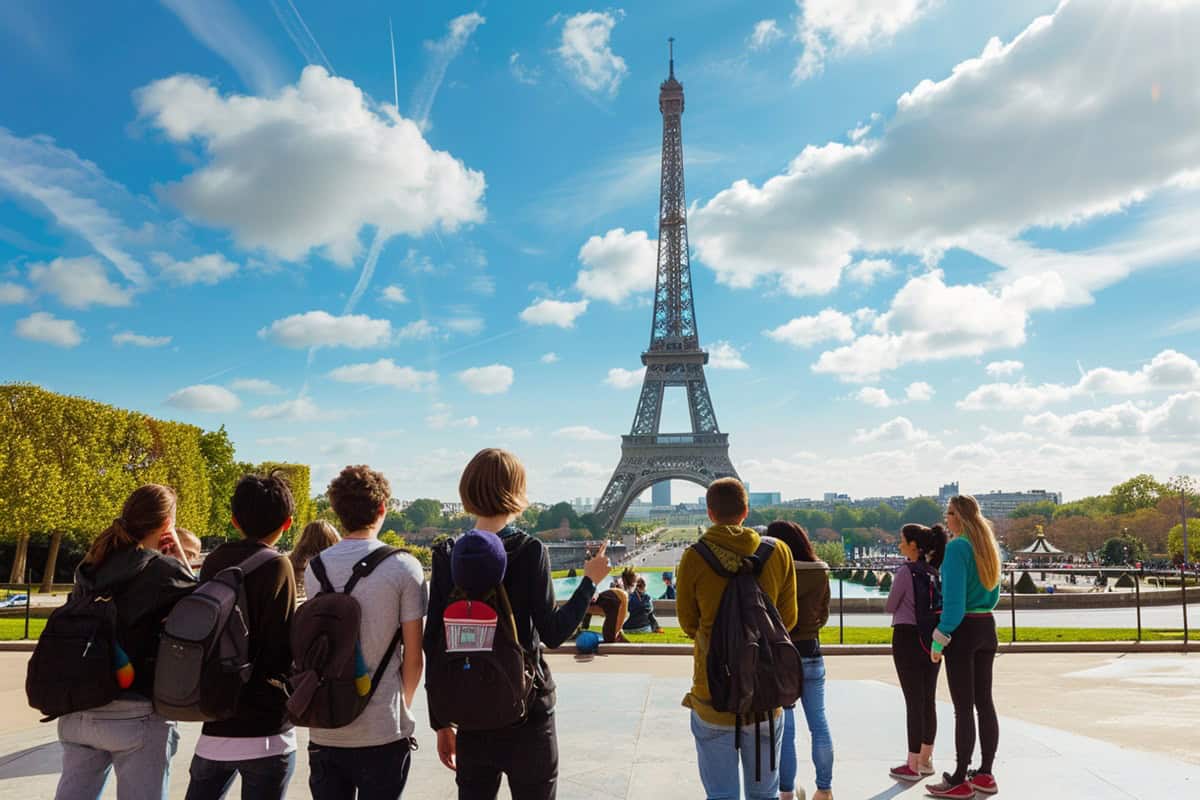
674	358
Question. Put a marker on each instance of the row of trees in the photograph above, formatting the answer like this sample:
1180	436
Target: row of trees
67	464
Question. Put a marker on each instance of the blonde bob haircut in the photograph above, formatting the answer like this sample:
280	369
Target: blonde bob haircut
979	533
493	484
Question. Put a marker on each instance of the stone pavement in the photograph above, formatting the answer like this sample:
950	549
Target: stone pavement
623	734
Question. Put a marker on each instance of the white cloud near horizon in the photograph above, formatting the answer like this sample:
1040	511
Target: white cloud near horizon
492	379
1178	417
618	265
205	397
559	313
585	50
322	329
44	327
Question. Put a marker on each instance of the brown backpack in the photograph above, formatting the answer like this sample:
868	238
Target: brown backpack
329	680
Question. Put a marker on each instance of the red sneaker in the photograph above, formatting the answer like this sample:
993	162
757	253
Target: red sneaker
905	773
982	782
944	789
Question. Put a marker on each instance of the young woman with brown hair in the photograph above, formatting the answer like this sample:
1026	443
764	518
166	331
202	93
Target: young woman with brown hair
317	536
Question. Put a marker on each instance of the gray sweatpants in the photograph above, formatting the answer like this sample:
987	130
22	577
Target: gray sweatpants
125	734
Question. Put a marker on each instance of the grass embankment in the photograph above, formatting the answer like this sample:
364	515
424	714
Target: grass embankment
884	635
12	628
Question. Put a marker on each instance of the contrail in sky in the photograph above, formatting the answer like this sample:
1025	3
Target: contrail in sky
395	80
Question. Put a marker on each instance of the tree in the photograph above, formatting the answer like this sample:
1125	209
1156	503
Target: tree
1175	541
832	553
1120	550
845	518
1140	491
424	513
592	523
553	517
1042	508
223	473
922	511
889	518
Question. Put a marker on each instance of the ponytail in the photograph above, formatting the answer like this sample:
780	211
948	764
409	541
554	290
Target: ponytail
930	542
146	510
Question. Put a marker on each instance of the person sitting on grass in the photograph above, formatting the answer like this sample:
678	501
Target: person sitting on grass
669	581
641	611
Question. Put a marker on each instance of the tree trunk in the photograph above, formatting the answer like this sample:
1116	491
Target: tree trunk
51	561
18	566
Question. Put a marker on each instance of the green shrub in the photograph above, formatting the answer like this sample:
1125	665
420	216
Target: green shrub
1025	584
885	583
871	579
1126	581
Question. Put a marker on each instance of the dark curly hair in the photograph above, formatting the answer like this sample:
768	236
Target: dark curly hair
356	495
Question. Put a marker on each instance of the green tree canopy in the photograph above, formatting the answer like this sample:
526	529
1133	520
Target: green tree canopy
922	511
1042	508
553	517
1140	491
424	513
1120	550
1175	541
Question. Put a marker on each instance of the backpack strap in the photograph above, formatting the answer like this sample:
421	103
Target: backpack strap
766	548
264	555
318	569
703	549
368	564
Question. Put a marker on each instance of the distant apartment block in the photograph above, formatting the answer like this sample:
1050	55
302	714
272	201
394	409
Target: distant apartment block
660	494
836	498
999	505
946	491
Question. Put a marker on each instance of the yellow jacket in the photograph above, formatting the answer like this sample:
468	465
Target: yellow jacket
698	597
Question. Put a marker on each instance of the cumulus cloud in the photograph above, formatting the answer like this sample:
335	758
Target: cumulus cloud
42	326
138	340
385	372
549	358
807	331
917	392
898	429
393	294
255	386
1178	417
492	379
14	293
307	168
559	313
582	433
723	355
586	51
302	409
868	270
205	397
766	32
441	418
838	27
968	162
322	329
999	369
208	269
78	283
580	469
621	378
617	265
417	330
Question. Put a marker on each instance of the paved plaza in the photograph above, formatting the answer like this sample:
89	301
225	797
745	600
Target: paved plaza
1078	725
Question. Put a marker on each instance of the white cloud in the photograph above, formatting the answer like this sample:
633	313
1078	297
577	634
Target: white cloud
138	340
617	265
1178	417
549	358
222	28
898	429
586	52
208	269
350	448
417	330
839	27
621	378
322	329
385	372
919	392
493	379
521	73
255	386
1168	371
393	294
582	433
78	283
468	326
581	469
308	168
806	331
42	326
723	355
766	33
205	397
14	293
869	270
441	418
969	162
482	284
302	409
554	312
442	52
999	369
513	432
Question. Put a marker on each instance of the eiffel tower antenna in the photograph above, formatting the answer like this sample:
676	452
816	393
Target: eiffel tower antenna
674	357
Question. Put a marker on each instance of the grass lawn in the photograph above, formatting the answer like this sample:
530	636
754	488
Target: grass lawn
884	635
14	628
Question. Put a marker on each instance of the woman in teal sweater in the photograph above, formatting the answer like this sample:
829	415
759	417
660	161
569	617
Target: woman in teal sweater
967	635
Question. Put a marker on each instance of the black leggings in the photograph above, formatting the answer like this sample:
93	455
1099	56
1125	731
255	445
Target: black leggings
969	661
918	680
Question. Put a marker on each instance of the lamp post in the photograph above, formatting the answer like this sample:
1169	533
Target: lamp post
1184	484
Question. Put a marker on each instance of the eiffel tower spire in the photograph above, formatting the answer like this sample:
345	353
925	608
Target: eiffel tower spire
674	357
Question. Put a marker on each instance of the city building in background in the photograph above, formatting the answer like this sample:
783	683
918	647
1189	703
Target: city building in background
660	494
946	491
999	505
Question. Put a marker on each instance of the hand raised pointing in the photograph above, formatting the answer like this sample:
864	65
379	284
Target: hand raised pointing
597	566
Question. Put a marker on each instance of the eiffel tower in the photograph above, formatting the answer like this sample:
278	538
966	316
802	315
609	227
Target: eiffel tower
674	357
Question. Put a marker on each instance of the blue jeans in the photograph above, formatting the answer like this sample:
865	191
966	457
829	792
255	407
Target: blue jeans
125	734
262	778
813	701
718	760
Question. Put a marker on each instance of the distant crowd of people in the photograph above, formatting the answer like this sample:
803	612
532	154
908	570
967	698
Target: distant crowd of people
143	643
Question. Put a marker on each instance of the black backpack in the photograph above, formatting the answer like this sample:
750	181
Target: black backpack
74	664
204	652
479	676
927	599
753	666
329	677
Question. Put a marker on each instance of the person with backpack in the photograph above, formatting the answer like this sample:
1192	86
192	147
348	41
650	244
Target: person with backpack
317	536
967	635
492	704
737	599
255	738
641	610
94	664
915	603
363	746
812	606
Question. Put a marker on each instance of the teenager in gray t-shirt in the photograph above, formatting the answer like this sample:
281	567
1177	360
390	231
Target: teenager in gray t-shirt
393	594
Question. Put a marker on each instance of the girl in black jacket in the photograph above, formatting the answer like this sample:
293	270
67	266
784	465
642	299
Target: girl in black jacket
145	584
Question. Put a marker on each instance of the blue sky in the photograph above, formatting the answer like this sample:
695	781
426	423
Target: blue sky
931	240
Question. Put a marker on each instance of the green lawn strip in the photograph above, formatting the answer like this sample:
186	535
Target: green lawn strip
863	635
12	628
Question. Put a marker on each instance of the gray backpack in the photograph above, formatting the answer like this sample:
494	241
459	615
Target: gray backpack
204	652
